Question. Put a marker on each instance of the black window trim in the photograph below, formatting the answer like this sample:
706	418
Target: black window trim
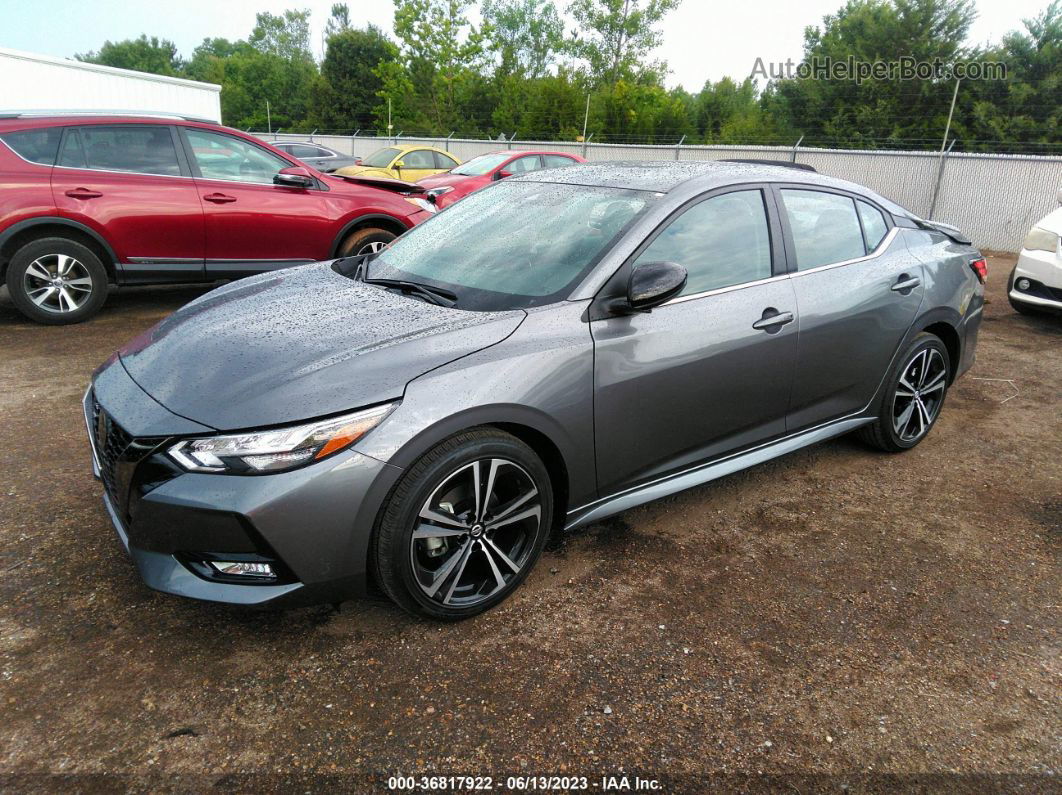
787	232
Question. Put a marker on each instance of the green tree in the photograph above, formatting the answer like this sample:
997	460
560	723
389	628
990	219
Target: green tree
441	52
525	36
347	92
158	56
617	36
286	36
878	112
339	21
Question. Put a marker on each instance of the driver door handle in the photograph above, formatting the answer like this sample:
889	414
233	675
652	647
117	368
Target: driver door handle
772	320
83	193
905	282
219	198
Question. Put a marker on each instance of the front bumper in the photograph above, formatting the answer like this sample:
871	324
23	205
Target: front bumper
1043	270
312	524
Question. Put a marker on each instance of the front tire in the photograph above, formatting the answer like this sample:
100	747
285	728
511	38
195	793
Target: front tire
464	526
57	281
365	241
913	396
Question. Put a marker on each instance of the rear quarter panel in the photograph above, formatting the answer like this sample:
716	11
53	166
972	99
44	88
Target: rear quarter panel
25	189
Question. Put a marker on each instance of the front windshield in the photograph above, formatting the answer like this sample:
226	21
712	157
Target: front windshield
381	158
514	245
478	166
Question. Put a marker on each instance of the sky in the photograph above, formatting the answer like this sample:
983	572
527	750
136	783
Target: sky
701	40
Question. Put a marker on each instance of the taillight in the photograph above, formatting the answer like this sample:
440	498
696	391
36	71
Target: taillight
980	267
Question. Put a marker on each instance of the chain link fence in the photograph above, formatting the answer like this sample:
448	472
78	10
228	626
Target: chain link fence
993	198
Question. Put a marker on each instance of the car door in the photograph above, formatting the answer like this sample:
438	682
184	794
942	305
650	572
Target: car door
710	371
416	164
130	183
858	290
251	224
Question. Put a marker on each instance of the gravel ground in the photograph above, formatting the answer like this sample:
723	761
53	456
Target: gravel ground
839	617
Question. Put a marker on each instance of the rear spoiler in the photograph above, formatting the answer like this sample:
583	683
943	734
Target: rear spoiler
393	185
950	231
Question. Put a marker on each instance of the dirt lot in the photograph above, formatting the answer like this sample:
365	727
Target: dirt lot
861	618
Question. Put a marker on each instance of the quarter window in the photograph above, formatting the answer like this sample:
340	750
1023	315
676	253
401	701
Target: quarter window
37	146
225	157
147	149
874	227
444	161
722	241
824	226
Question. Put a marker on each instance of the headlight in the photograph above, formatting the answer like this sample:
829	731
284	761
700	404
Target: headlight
1041	240
440	191
423	204
278	449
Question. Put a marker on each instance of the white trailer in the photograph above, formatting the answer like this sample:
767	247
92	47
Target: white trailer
31	82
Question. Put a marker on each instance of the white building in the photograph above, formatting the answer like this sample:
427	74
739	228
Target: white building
30	82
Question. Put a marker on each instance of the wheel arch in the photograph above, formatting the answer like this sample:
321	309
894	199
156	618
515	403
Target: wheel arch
943	323
380	220
535	429
18	235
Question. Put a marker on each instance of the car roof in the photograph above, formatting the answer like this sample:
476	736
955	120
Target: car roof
664	176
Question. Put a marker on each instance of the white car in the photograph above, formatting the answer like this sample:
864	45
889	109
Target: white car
1036	281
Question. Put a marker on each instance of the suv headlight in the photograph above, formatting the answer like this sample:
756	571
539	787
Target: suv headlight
278	449
1040	239
423	204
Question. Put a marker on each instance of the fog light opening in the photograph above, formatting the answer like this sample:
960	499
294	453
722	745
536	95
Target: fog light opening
244	568
1023	284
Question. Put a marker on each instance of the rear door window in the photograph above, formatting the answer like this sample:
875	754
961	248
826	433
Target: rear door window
138	149
37	146
553	161
824	226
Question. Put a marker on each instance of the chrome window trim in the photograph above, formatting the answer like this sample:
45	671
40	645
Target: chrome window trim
116	171
882	246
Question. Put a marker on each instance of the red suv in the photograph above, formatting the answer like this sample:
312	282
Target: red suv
89	201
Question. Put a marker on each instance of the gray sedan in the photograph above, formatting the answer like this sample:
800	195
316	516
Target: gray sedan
549	351
320	157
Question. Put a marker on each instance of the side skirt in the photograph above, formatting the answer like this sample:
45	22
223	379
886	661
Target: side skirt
704	473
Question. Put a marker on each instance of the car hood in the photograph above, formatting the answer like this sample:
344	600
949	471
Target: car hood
299	344
1052	222
443	180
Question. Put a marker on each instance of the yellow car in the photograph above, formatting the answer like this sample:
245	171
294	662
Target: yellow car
408	163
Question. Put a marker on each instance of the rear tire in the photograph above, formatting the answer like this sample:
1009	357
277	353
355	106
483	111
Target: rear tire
913	396
365	241
57	281
464	526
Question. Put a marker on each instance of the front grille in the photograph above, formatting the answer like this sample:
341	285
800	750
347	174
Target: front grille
112	442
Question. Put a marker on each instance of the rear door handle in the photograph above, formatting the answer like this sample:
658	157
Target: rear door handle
83	193
905	282
772	320
219	198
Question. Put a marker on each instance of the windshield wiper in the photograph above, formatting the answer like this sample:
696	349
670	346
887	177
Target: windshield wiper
434	295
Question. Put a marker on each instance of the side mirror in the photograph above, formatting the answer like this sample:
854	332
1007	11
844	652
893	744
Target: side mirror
654	283
398	165
293	177
503	174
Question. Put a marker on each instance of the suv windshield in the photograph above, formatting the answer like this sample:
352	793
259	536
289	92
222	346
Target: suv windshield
515	245
478	166
381	158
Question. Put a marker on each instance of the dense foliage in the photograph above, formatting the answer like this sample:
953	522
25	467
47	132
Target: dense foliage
519	72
